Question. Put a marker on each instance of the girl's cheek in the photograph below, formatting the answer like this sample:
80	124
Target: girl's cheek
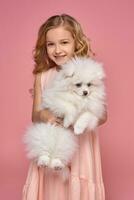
49	51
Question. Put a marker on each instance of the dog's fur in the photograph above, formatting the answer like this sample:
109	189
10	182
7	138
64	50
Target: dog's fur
77	94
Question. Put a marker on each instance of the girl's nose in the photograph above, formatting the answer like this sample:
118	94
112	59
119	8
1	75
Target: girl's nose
57	49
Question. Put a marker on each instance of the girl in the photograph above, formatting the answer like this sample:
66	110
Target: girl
59	39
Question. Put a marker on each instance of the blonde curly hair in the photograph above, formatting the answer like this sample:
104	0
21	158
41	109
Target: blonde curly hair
82	44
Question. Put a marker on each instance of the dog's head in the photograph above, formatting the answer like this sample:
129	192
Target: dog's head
83	75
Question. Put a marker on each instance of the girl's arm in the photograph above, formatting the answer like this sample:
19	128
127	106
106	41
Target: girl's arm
41	115
36	112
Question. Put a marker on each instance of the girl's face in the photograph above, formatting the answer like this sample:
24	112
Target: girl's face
60	45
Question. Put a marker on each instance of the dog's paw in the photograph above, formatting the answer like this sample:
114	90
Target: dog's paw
66	123
93	124
56	164
43	161
78	130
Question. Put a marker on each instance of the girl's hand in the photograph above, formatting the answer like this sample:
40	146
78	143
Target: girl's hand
47	116
31	92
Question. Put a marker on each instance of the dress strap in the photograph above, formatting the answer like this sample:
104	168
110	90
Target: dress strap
46	77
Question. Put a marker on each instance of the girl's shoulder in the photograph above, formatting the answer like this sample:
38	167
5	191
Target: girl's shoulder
40	80
45	73
46	76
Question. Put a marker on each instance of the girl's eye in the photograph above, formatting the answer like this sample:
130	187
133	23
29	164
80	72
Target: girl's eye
65	42
89	84
50	44
78	84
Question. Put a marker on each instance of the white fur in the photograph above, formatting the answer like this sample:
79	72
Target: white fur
50	144
54	146
66	100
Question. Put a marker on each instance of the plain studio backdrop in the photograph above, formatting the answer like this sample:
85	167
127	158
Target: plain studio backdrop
109	26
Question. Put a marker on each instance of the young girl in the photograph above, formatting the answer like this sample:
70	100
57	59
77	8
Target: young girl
59	39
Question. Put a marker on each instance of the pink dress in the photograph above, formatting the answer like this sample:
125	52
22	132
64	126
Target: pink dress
85	181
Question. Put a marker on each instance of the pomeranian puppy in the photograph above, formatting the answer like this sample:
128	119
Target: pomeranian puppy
76	94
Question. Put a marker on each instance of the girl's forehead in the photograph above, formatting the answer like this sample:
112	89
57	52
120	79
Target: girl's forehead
58	33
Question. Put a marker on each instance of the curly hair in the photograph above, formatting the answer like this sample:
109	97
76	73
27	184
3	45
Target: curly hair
82	43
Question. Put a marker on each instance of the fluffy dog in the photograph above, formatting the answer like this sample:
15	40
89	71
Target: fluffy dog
77	94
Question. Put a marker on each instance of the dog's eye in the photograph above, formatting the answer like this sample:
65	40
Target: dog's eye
78	84
89	84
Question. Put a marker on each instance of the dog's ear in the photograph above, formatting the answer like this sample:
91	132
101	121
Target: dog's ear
68	71
100	73
99	77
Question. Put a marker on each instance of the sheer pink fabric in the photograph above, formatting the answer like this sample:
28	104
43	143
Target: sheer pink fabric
85	181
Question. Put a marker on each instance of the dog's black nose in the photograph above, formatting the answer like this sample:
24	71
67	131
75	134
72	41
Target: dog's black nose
85	93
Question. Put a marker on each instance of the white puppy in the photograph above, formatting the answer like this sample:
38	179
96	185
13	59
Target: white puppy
77	94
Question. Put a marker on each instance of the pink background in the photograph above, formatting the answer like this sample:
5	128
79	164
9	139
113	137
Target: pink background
110	27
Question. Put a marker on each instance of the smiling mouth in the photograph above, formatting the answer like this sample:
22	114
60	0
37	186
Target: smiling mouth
58	57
